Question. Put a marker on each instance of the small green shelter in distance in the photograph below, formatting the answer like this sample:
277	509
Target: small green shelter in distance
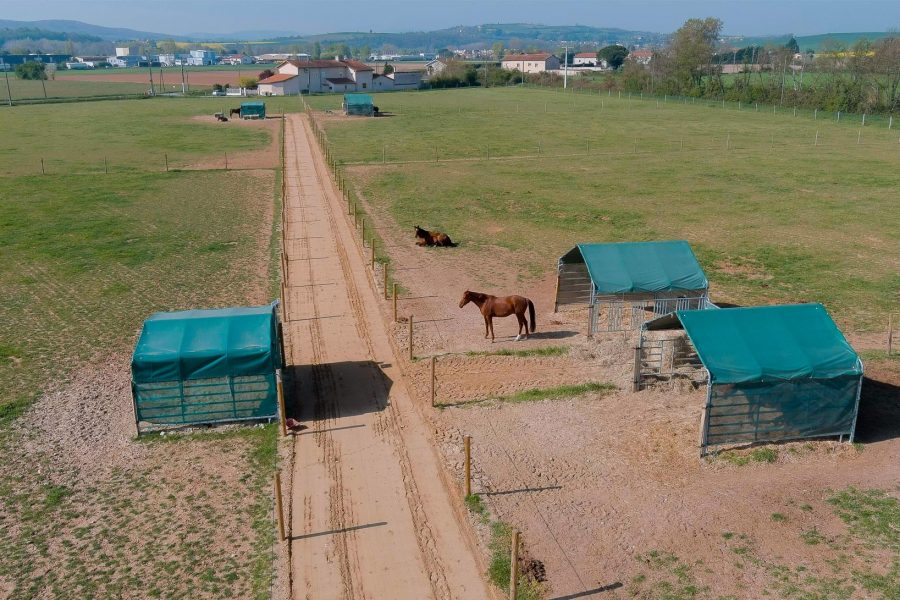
207	366
253	110
774	373
359	104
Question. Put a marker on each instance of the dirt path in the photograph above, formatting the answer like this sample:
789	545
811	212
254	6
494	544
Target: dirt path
370	513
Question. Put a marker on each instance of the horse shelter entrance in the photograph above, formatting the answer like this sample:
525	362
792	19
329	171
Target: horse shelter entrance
207	366
629	283
773	373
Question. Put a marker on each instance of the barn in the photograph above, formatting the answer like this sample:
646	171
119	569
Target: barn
359	104
207	366
773	373
627	283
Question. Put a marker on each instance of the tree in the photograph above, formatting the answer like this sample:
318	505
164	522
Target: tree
388	69
317	50
31	70
497	49
692	49
792	45
265	74
365	52
249	82
613	55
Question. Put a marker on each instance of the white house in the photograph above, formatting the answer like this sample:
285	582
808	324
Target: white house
202	57
436	66
530	63
642	57
585	59
398	80
317	76
128	60
236	59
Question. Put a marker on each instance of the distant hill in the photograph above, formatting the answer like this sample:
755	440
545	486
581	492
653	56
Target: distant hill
806	42
516	34
111	34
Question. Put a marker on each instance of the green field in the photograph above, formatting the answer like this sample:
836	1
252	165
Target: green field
773	215
86	258
22	89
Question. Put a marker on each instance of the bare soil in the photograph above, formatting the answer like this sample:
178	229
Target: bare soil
204	78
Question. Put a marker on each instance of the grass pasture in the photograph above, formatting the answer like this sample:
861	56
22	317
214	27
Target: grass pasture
22	89
779	208
86	258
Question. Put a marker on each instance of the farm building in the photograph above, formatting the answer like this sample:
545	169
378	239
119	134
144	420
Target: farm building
530	63
358	104
253	110
317	76
628	282
206	366
773	373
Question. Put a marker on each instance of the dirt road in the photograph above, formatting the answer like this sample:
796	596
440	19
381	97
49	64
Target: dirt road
370	512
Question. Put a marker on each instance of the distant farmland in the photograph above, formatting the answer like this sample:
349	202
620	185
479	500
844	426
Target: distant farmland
780	208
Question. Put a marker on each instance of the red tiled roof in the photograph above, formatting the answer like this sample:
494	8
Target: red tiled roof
278	78
641	54
521	57
357	66
340	80
586	55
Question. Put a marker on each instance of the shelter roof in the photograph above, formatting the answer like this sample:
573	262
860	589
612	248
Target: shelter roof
640	267
278	78
767	343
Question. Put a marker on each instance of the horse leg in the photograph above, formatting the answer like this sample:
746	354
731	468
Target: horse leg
491	323
487	326
519	332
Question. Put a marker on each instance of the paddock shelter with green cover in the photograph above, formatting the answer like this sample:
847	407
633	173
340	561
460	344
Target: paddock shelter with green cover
359	104
775	372
207	366
253	110
631	280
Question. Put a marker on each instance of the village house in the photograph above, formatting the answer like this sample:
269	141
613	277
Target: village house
585	59
530	63
317	76
641	57
236	59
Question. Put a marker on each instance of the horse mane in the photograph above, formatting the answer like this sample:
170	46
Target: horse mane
478	295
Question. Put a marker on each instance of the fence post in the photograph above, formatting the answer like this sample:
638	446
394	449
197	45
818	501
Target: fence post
411	354
514	566
816	115
373	253
817	138
106	164
858	137
467	444
383	154
278	506
890	122
385	273
279	385
864	120
890	339
42	167
636	387
167	162
363	221
226	161
433	379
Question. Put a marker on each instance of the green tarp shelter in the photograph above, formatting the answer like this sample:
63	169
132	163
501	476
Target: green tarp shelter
662	276
207	366
253	110
359	104
775	372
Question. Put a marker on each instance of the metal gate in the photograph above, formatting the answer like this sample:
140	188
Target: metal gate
664	361
619	314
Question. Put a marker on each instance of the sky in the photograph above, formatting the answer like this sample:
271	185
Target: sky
747	17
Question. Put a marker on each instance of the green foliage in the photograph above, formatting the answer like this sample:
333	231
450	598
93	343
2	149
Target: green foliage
31	70
543	351
477	507
778	517
614	55
555	393
762	455
812	537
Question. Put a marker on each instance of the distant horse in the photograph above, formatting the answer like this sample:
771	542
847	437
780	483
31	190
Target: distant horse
492	306
234	111
432	238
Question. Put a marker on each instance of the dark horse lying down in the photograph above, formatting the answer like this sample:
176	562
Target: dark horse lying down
432	238
492	306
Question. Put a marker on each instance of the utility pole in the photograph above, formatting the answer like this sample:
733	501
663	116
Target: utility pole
150	68
183	87
566	68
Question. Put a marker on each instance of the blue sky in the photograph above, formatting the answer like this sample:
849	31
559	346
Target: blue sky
749	17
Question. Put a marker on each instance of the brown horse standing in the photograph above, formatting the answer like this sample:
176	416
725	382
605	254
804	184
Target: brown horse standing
234	111
492	306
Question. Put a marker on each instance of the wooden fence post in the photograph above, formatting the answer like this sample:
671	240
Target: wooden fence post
167	162
395	303
42	167
363	232
433	379
282	420
226	161
385	274
467	444
106	165
890	339
636	387
514	566
278	506
411	355
373	253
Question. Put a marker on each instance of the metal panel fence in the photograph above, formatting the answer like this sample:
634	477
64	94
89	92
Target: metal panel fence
222	399
610	313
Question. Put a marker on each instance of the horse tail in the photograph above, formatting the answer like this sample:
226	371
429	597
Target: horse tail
531	314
